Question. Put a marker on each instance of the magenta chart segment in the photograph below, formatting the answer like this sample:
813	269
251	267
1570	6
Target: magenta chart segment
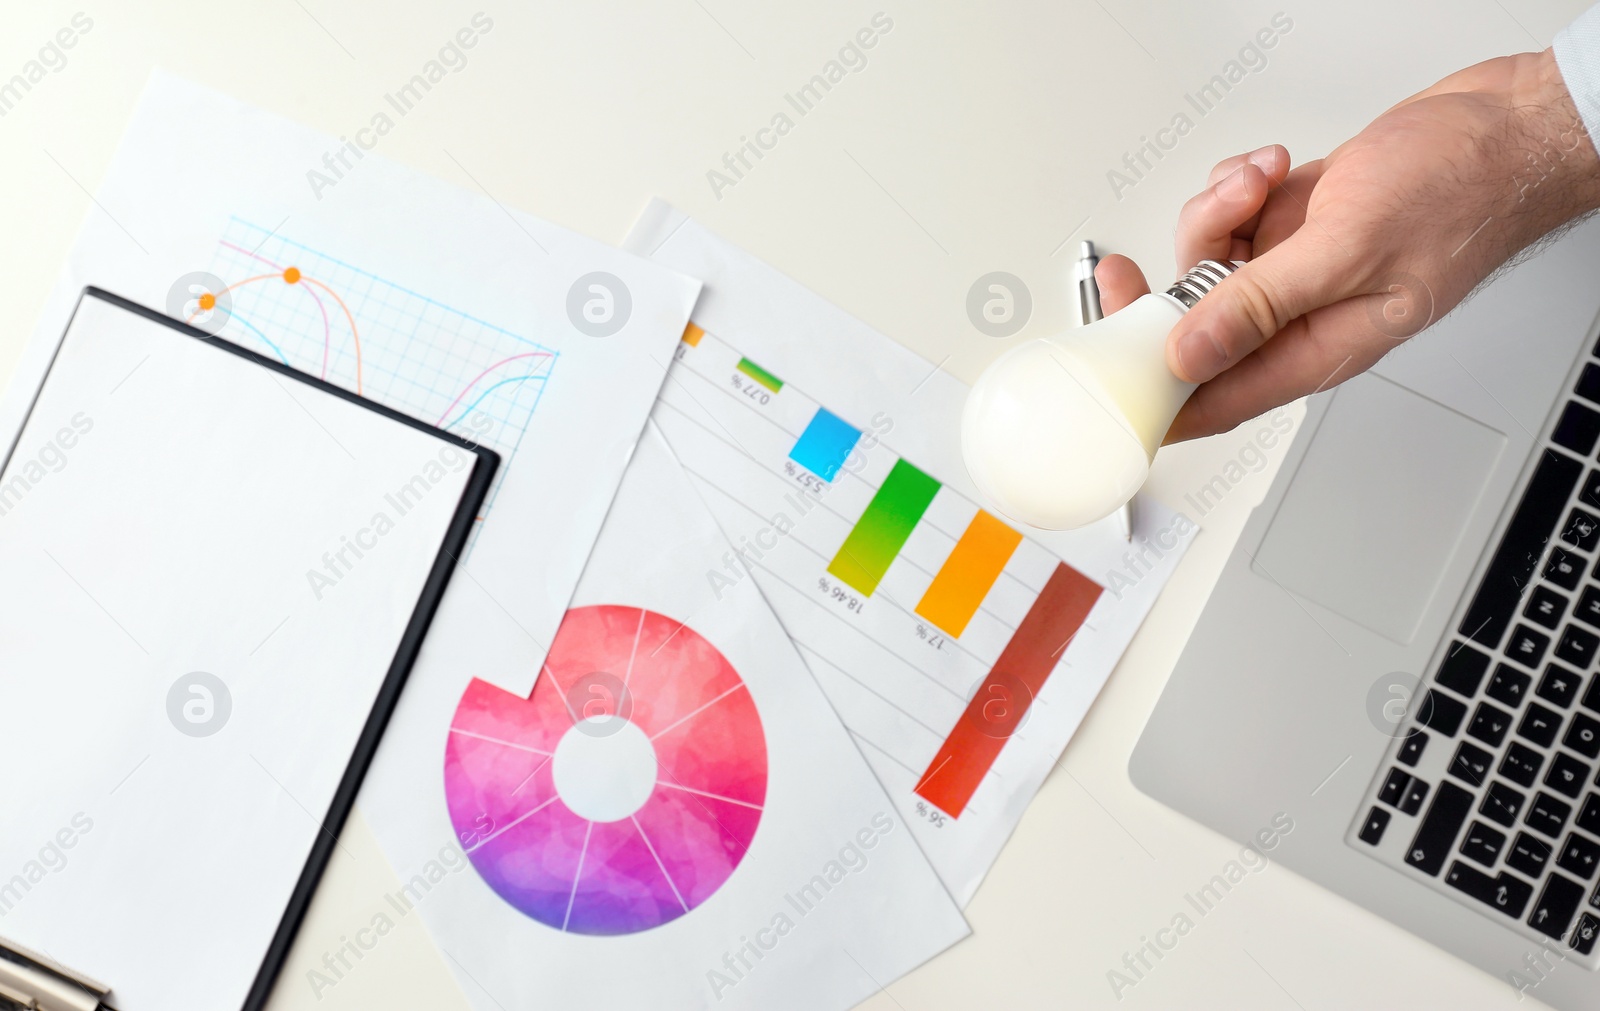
574	846
401	348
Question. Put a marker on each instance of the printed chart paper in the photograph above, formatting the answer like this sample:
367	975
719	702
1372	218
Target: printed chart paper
675	818
961	650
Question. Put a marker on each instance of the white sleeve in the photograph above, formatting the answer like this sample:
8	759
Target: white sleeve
1577	50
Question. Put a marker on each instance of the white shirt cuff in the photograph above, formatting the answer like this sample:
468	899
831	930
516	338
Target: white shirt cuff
1577	51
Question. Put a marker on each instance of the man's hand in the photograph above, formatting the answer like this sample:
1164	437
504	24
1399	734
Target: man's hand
1350	255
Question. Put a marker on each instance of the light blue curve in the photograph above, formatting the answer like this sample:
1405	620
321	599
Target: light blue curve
485	393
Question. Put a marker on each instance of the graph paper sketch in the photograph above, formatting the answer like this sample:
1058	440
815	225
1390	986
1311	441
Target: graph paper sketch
331	319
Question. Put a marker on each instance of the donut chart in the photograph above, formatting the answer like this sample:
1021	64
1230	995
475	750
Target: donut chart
625	791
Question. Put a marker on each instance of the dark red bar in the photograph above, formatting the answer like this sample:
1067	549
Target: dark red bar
1005	695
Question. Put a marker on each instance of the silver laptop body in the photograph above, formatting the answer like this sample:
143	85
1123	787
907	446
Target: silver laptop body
1399	655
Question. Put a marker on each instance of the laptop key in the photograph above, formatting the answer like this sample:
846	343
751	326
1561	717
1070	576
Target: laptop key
1583	735
1582	529
1511	894
1508	685
1411	749
1436	835
1591	695
1577	428
1394	787
1546	607
1462	669
1489	724
1528	855
1526	646
1567	775
1505	893
1521	764
1482	843
1547	814
1471	763
1559	685
1579	857
1539	725
1501	804
1470	880
1589	389
1584	934
1521	546
1564	568
1589	815
1372	828
1588	609
1442	713
1415	795
1556	905
1578	646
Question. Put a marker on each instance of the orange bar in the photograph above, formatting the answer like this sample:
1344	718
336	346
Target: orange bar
968	574
692	335
1001	702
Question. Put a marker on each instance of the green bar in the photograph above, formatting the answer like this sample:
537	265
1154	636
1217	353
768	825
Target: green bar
883	529
760	375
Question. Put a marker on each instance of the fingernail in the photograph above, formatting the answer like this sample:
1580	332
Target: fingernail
1265	159
1201	355
1232	187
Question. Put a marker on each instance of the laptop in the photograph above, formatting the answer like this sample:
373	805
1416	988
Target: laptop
1398	660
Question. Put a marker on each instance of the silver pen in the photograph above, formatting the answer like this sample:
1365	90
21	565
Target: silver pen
1088	312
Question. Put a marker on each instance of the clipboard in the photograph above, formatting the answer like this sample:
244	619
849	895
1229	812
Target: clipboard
157	505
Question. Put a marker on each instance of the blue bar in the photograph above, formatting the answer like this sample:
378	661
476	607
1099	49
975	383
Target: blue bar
825	444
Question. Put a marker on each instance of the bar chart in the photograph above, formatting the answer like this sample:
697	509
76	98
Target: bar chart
933	624
960	650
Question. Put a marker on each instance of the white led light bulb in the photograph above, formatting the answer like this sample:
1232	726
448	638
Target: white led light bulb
1061	431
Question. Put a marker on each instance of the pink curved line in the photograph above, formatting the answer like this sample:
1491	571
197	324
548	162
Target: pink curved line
326	334
253	256
468	389
349	318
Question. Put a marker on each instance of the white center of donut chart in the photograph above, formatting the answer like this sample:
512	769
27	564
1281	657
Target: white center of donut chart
605	771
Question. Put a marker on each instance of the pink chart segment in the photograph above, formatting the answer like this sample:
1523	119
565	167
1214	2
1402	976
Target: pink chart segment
676	848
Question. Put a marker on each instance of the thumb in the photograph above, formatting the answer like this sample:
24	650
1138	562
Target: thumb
1256	301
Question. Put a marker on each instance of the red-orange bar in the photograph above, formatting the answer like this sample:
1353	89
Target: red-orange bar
1003	699
692	335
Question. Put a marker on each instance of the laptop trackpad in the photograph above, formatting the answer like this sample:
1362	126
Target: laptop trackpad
1378	505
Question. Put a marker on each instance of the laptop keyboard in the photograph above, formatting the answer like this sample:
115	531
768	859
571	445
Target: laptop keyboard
1491	790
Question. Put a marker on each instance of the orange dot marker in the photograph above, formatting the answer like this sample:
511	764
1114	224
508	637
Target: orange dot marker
208	302
292	275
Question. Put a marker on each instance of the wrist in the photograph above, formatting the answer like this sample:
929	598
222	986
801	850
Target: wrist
1558	168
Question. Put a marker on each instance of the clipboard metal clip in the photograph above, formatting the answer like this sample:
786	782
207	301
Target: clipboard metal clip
40	984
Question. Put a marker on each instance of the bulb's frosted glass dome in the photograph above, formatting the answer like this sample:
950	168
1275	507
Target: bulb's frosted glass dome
1060	432
1050	450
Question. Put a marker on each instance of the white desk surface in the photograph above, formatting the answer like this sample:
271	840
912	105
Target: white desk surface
977	138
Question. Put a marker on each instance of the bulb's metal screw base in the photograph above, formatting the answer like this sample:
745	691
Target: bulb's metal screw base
1207	274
